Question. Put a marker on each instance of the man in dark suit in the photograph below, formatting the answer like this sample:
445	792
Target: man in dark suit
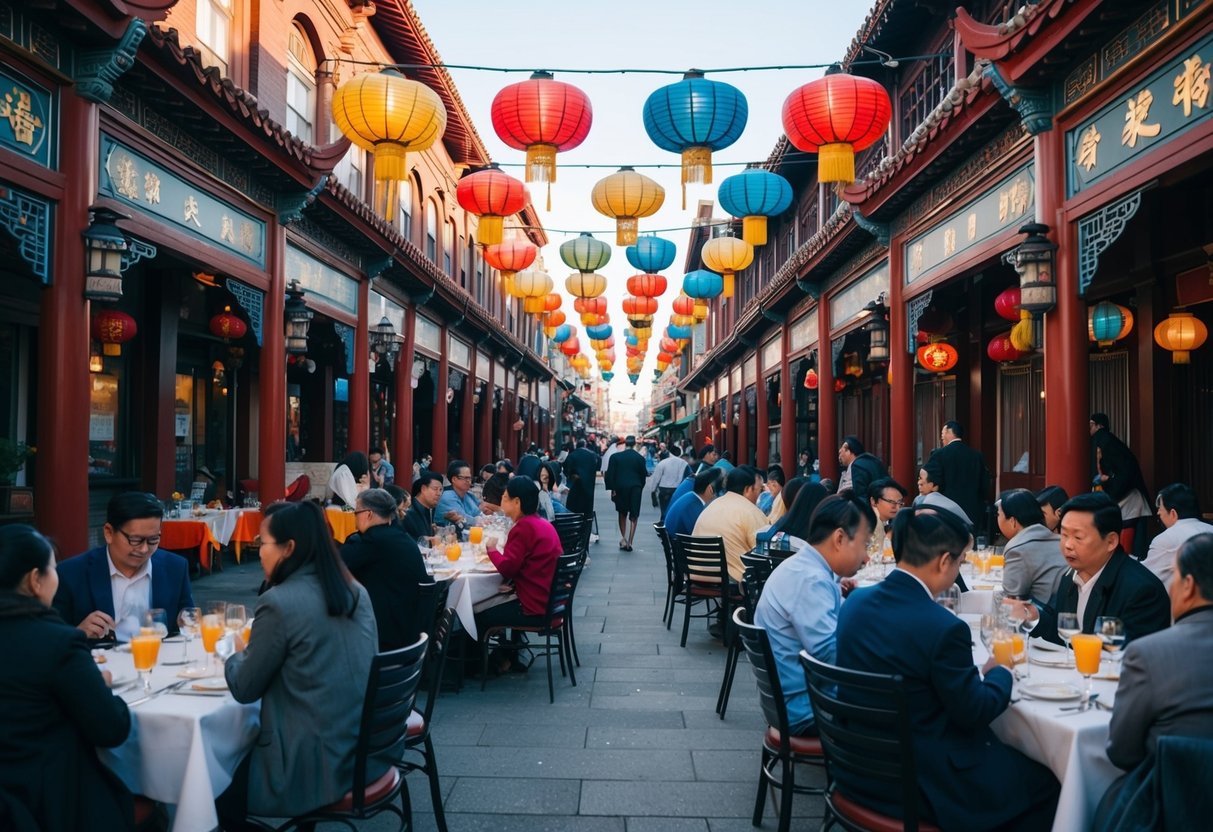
625	478
967	778
106	590
528	465
581	468
1102	579
966	479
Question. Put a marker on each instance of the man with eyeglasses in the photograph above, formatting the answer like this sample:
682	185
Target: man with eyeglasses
885	496
107	590
458	506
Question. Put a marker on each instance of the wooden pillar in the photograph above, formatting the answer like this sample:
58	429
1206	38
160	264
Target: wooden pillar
901	364
360	384
1067	400
156	386
271	377
743	425
402	435
789	453
61	464
827	414
763	455
484	425
467	423
441	451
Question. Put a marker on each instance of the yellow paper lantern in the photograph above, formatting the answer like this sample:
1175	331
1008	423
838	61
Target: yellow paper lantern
682	320
585	284
533	283
1181	333
532	305
389	116
626	196
727	255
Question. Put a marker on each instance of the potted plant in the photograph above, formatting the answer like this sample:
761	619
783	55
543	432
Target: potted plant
13	456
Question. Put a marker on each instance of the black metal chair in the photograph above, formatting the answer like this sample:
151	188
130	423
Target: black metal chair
704	573
779	746
757	569
560	600
574	532
391	692
430	602
867	737
418	737
673	583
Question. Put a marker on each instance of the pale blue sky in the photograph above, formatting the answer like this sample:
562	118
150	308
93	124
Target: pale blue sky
662	34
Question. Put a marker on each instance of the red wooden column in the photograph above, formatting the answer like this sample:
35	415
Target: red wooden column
61	464
787	419
743	426
402	434
360	384
901	396
763	455
1067	438
827	417
271	376
440	450
467	430
484	427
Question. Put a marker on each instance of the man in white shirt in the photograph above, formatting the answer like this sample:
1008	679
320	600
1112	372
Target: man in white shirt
666	476
615	445
1179	511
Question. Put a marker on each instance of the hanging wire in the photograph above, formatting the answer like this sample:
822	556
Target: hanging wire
809	160
604	231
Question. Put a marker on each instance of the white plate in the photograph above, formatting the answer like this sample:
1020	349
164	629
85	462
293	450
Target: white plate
194	673
213	683
1050	659
444	574
1053	691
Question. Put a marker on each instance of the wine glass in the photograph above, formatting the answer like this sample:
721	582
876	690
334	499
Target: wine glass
213	625
235	618
989	623
1112	631
1068	626
154	622
145	647
1087	650
189	620
949	598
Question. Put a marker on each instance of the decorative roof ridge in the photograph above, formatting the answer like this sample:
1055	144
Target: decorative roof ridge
871	26
244	105
996	41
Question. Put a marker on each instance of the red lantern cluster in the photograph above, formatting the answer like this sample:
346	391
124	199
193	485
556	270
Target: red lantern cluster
1001	349
810	380
227	326
113	329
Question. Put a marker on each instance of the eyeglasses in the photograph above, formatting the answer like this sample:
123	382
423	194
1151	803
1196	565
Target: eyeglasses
898	503
362	511
136	541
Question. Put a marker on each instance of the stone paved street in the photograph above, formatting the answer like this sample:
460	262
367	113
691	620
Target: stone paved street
635	747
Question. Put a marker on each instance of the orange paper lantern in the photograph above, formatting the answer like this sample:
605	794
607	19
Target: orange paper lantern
938	357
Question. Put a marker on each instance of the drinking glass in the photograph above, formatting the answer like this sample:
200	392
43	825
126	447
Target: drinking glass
154	622
475	535
1087	650
235	618
1068	626
189	620
213	625
453	552
1112	631
1002	647
145	647
1017	617
980	543
949	598
989	623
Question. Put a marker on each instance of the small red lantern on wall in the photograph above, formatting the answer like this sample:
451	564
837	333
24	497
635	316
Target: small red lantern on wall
1007	304
113	329
227	326
839	385
938	357
1001	349
810	380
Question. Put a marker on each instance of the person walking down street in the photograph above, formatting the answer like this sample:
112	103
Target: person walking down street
625	477
581	470
964	477
666	477
861	468
1119	475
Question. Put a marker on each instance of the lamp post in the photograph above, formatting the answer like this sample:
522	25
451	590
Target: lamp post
298	320
104	245
1033	259
878	330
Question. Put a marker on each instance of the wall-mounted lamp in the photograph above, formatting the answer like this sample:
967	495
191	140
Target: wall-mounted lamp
298	319
104	245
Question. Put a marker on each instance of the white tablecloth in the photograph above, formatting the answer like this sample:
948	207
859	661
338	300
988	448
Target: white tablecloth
1072	745
183	749
468	588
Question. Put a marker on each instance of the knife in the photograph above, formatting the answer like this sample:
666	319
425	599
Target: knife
158	693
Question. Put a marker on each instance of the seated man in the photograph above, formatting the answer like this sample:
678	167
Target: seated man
1102	579
458	505
1165	688
387	562
799	604
967	779
1179	511
735	517
108	589
684	512
886	497
427	490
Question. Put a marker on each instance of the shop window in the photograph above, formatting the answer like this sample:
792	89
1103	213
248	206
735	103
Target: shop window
214	22
934	404
104	446
431	230
300	85
404	213
925	90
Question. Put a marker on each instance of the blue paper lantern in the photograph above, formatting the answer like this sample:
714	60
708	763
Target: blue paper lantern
632	341
755	195
694	117
678	333
703	284
651	254
561	334
599	333
1107	323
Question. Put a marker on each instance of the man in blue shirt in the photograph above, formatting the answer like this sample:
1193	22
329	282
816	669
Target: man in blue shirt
382	472
457	505
684	511
800	603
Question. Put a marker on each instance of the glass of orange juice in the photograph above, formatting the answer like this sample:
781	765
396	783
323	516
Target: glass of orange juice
475	535
1002	647
1087	652
453	552
145	648
214	623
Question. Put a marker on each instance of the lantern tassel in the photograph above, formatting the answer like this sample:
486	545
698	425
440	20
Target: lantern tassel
836	163
625	230
541	163
696	168
754	230
507	283
490	229
111	349
1023	333
728	284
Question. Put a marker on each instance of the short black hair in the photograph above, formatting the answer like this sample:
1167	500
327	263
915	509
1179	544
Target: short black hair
305	524
1196	559
1104	510
705	450
358	464
494	488
798	515
22	550
1101	419
741	478
853	443
839	511
791	489
957	429
1053	496
933	471
524	489
132	505
775	474
452	468
1019	504
376	450
425	479
1181	499
506	464
398	493
923	533
877	488
705	478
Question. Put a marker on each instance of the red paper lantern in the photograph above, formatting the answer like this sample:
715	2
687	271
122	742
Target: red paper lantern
542	116
684	305
491	195
639	307
834	117
551	302
225	325
669	345
810	380
555	318
839	385
113	329
1007	304
938	357
593	306
511	256
570	346
1001	349
665	357
647	285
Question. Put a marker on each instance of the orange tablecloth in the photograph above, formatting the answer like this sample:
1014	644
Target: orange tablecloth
248	526
186	534
341	522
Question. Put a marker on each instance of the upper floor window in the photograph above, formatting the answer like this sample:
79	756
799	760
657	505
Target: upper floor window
300	85
214	32
925	90
431	231
404	217
351	170
448	248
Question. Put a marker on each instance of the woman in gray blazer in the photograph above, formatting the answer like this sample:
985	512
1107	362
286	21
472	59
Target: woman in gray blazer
308	659
1034	564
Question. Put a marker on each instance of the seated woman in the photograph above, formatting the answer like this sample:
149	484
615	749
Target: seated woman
308	660
549	505
528	561
350	477
1034	564
791	531
55	706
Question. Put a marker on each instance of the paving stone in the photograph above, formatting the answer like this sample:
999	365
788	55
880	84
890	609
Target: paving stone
513	735
568	763
667	825
515	795
707	741
667	799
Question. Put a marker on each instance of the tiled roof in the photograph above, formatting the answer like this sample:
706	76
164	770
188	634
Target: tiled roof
996	41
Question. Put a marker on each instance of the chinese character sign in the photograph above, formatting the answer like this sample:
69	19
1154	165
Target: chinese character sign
26	117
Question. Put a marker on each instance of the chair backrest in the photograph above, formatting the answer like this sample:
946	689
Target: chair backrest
391	692
864	722
430	602
440	640
564	584
667	548
757	569
574	532
770	692
702	559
